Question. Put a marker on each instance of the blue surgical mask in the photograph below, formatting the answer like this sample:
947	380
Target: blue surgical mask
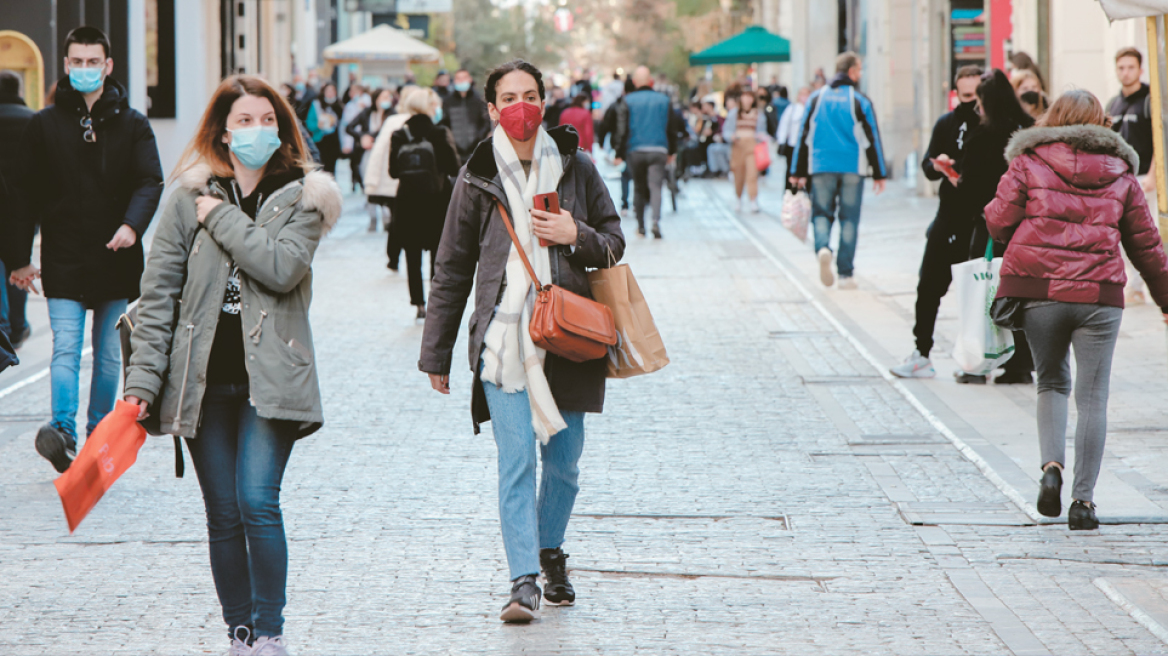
385	104
438	115
462	87
86	80
255	146
299	86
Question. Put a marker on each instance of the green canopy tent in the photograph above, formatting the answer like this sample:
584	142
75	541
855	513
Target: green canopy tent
754	45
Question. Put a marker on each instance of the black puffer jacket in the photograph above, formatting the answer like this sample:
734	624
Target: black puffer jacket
475	236
81	193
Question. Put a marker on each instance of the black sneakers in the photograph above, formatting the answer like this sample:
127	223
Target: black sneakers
523	606
1050	489
1081	517
56	447
554	563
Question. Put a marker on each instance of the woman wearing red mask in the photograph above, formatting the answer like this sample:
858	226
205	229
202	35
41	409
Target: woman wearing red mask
526	393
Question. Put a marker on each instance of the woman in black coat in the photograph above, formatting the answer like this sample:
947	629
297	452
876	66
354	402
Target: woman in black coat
424	192
983	164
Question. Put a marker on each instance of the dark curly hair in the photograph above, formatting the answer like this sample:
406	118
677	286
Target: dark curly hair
510	67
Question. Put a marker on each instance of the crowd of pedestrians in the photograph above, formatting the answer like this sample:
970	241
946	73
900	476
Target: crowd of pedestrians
221	352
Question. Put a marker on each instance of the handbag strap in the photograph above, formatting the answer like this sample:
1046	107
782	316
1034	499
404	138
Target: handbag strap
518	246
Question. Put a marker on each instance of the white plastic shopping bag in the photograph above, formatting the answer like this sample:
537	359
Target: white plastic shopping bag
796	213
981	346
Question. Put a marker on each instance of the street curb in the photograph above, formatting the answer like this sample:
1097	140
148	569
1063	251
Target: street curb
973	456
1145	620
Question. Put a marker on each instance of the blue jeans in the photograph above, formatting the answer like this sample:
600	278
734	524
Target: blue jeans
13	321
67	319
240	460
530	524
848	190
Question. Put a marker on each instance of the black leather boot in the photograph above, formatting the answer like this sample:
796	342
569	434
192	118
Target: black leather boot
1081	516
558	590
1050	489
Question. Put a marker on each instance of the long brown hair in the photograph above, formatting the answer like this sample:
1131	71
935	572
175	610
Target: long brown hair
207	144
1076	107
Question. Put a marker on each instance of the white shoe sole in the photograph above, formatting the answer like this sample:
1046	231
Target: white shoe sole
517	613
919	373
825	275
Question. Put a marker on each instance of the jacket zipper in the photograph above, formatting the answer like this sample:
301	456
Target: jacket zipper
186	376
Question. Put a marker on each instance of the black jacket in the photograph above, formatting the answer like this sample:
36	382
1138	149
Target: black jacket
983	165
1131	117
418	216
950	134
361	124
81	193
14	118
468	120
475	238
615	119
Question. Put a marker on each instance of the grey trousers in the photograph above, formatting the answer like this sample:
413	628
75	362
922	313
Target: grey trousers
648	176
1092	330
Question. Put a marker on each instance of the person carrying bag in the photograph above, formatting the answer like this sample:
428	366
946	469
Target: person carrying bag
531	395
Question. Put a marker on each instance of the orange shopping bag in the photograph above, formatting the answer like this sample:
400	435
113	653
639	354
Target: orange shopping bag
107	454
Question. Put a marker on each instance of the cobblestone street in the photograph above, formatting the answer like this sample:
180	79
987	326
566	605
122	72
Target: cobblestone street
769	492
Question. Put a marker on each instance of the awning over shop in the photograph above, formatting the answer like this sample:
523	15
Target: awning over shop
1120	9
382	44
754	45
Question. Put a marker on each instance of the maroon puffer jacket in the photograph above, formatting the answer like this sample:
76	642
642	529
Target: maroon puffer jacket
1067	204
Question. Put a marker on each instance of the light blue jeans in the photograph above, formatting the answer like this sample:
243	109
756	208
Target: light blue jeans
846	190
67	319
531	523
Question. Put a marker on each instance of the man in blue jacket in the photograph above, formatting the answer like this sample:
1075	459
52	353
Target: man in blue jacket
839	146
648	134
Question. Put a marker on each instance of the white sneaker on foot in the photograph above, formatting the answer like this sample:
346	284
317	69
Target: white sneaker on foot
269	646
239	646
754	208
737	204
915	366
847	282
826	275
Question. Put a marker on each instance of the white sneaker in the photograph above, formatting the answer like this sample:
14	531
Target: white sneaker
239	646
754	208
915	366
847	282
269	646
737	204
826	275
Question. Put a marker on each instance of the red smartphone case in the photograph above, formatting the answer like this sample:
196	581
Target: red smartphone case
549	202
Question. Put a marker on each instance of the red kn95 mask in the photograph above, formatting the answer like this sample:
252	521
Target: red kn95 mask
521	121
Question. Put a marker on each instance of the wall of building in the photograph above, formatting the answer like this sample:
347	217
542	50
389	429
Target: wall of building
1082	43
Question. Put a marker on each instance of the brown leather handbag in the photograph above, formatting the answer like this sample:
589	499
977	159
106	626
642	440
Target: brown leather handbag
564	323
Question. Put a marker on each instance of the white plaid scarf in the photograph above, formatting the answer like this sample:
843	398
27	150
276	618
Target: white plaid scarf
511	361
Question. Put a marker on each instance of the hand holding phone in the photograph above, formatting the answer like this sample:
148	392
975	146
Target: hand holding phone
549	202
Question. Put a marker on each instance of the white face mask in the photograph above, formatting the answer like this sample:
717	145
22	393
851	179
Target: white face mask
366	99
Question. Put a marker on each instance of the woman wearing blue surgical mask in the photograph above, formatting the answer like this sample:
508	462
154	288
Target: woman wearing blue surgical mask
364	130
323	118
222	353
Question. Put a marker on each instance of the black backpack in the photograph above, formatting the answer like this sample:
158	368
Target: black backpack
417	165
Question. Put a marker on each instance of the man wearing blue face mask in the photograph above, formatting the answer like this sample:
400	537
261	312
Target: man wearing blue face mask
465	113
91	179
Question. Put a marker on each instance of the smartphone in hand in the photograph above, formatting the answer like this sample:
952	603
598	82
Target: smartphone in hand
549	202
945	167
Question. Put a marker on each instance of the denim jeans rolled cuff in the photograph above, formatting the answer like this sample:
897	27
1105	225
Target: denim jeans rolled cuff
843	192
67	320
530	522
240	459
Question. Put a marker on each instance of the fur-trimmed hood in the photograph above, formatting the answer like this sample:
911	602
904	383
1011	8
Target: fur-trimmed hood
321	192
1087	156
